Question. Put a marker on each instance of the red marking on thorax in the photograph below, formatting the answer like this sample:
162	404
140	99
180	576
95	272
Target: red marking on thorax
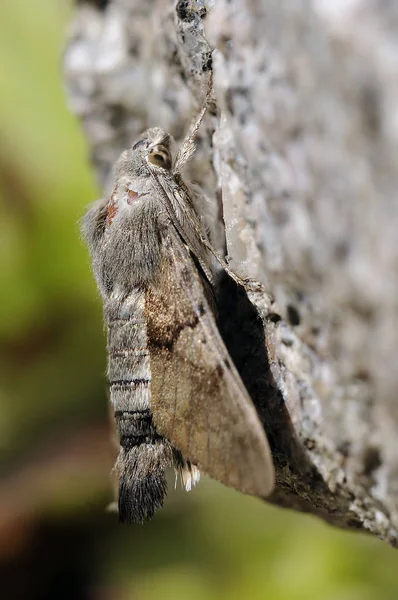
112	209
131	196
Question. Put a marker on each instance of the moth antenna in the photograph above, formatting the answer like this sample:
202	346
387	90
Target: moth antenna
187	150
184	155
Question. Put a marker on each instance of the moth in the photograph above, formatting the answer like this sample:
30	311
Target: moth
177	397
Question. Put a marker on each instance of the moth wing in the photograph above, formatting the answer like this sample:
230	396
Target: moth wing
198	399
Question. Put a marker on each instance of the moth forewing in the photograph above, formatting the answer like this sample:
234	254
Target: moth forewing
198	400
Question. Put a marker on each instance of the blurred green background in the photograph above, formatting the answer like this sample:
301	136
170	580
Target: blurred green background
56	540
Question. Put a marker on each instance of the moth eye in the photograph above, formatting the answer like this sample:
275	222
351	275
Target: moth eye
138	144
160	156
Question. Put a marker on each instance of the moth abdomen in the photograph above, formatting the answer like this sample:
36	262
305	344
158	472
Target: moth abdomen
141	465
135	428
142	481
144	455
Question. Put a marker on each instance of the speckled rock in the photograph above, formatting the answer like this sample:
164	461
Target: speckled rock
299	154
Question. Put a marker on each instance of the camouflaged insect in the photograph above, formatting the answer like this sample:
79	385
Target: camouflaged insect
178	399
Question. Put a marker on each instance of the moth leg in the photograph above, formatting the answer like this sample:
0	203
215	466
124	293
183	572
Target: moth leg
190	475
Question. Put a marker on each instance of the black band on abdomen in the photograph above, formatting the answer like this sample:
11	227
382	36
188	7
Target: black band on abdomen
135	428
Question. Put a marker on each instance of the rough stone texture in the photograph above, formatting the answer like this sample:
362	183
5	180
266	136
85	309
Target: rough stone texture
300	152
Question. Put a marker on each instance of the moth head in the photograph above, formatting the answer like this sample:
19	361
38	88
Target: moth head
160	156
159	148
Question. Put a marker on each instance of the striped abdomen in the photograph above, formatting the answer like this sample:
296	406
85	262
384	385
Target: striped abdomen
143	453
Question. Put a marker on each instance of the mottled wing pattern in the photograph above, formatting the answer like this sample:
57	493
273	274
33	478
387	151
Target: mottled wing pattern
197	397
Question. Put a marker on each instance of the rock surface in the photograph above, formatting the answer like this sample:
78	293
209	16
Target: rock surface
299	152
